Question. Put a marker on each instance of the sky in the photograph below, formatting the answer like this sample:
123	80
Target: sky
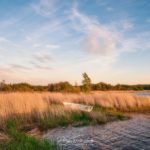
46	41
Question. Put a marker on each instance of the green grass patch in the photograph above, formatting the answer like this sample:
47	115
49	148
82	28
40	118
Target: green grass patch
21	141
111	113
49	121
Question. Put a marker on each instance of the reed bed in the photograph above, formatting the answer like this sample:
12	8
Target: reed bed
24	102
121	101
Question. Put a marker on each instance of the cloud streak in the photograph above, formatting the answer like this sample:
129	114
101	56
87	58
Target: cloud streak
41	66
19	67
41	61
42	58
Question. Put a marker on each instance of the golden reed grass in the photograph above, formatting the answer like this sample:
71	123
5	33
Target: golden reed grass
26	102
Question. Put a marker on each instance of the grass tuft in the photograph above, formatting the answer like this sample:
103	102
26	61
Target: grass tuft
21	141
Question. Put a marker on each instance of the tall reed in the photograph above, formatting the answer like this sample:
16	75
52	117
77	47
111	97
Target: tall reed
24	102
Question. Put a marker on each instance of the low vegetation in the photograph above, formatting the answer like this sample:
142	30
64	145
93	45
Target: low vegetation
21	141
86	86
26	102
46	110
68	87
22	111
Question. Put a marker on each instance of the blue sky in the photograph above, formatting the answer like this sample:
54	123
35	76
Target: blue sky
44	41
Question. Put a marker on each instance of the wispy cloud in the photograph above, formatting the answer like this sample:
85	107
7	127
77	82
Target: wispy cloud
42	58
19	67
41	66
47	8
43	7
98	38
41	61
106	40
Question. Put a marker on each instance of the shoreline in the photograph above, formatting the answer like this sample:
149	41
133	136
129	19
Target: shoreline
95	137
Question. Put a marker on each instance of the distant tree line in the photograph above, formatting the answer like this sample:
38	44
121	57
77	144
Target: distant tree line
86	86
21	87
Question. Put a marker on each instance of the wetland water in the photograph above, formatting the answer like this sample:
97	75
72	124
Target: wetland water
145	94
132	134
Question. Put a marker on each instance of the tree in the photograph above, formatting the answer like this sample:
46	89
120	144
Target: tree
86	83
2	85
102	86
60	87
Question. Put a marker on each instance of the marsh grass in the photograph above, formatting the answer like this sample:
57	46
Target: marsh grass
124	102
111	113
27	102
51	119
45	110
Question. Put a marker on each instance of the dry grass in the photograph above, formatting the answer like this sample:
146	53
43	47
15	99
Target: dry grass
20	103
122	101
38	109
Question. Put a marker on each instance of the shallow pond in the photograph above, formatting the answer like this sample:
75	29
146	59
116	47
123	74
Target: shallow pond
132	134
